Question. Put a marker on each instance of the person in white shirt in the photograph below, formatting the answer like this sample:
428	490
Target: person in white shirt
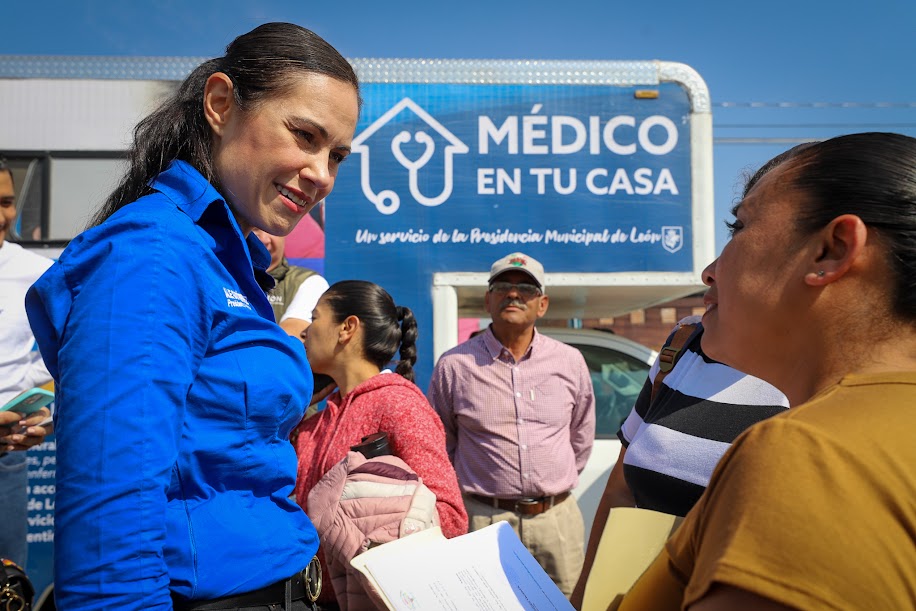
21	369
297	290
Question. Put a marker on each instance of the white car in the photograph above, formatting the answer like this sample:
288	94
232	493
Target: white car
618	368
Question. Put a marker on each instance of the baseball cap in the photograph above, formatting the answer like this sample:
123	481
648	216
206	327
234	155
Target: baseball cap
521	262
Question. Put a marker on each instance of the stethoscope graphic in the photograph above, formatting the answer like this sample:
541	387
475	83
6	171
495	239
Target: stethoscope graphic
388	201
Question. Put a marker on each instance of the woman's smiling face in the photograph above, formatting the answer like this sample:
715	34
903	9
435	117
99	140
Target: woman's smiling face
277	160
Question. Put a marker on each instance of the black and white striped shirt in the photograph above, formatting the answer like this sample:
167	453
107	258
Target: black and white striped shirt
673	444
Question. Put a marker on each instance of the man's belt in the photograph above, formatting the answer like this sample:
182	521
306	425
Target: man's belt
526	507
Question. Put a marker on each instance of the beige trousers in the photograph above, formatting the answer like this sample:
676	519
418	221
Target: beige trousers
556	538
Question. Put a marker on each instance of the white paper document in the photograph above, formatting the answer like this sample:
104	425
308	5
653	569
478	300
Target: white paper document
486	570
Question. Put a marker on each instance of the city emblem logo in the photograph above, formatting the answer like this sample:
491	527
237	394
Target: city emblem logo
387	201
672	238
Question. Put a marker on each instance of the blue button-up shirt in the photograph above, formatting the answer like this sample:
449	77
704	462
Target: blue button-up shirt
176	394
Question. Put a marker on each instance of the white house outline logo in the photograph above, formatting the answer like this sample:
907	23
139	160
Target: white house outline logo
387	201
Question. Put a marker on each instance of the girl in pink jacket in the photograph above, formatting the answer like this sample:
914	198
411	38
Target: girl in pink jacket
356	330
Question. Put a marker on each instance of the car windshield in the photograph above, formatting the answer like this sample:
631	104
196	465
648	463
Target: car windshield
617	379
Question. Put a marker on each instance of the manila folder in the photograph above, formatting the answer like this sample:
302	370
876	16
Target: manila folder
631	540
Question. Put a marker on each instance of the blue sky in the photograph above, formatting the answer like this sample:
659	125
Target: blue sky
766	63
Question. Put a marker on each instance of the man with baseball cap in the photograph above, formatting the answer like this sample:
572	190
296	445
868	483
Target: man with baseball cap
519	416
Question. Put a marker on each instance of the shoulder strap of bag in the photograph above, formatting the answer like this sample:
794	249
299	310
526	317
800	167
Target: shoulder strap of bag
671	352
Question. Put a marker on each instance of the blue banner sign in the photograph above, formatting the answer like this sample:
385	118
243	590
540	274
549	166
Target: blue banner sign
450	177
589	176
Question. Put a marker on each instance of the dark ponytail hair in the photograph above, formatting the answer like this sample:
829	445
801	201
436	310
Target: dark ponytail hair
261	64
386	326
872	176
772	163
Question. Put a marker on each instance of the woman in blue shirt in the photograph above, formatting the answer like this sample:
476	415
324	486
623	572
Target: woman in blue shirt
176	390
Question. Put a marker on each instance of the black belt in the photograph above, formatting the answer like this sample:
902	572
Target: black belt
528	507
304	585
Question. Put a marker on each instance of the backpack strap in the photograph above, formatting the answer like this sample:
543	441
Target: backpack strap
671	352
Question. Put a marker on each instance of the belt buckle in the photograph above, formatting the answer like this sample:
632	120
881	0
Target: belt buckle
311	579
525	503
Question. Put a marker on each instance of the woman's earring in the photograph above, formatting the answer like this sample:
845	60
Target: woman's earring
820	273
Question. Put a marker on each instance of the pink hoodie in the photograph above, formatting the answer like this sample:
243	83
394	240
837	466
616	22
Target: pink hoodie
362	503
386	402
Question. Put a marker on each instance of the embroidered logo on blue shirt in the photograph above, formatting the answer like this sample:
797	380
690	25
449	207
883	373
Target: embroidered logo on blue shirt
234	299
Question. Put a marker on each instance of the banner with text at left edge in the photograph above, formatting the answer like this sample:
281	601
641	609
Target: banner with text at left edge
42	466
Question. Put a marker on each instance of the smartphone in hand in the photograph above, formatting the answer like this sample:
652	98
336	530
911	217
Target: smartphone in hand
29	402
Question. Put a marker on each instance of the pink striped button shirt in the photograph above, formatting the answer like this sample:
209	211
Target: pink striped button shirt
515	429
